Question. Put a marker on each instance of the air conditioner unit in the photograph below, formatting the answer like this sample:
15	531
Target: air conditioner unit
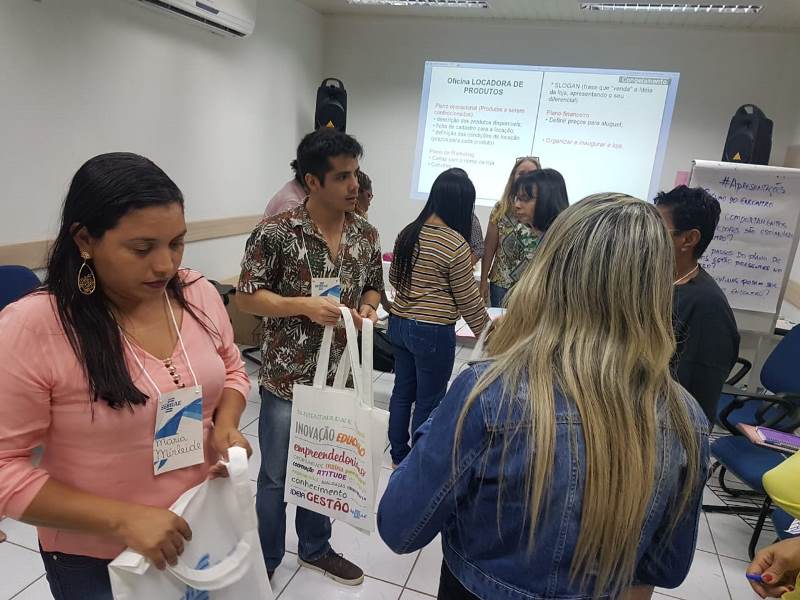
234	18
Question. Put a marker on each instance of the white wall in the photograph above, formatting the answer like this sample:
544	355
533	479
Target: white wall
793	75
221	116
381	62
789	310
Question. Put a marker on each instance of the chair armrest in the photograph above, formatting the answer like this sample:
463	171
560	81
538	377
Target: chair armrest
746	395
789	403
743	370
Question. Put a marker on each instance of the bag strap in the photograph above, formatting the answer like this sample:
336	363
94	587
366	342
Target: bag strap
222	575
239	475
367	357
237	464
362	368
352	349
323	358
342	371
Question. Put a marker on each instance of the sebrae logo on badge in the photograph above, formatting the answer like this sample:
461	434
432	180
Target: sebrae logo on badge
170	405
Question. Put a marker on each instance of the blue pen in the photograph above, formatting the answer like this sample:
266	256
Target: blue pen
754	577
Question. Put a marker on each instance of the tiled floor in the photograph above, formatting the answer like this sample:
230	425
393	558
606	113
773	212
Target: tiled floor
716	574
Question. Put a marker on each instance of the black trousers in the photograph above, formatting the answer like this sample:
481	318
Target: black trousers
450	588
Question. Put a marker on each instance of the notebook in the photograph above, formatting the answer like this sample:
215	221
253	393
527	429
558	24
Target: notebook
771	438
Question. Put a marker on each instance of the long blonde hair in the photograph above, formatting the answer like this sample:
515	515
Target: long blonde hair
591	317
506	203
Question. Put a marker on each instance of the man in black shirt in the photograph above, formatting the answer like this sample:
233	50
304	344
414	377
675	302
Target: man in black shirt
705	328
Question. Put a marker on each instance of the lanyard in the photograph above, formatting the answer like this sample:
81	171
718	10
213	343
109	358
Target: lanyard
180	340
686	276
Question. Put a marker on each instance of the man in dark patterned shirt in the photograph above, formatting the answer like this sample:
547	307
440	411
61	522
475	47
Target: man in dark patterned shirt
298	268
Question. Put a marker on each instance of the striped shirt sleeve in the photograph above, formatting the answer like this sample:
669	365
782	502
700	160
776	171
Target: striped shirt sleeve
393	270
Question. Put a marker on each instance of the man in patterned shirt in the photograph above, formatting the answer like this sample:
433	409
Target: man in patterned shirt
320	247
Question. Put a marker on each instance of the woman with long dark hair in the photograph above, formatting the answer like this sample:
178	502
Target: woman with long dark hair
434	283
96	365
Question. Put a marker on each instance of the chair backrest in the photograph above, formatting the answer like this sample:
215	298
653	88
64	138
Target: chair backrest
780	373
15	282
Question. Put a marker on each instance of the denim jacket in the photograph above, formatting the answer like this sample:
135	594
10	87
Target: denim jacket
487	551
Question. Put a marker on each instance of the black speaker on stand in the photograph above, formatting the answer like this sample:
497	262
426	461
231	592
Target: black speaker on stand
331	105
749	137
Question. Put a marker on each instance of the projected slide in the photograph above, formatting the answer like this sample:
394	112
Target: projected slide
603	130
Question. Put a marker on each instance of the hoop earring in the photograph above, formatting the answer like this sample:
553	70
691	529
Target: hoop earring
87	283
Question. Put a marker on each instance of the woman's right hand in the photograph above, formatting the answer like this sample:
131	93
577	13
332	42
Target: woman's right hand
323	310
156	533
778	566
485	291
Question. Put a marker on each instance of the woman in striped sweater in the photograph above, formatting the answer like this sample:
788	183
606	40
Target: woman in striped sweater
434	283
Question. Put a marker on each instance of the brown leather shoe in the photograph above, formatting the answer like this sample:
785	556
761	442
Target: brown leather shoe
336	567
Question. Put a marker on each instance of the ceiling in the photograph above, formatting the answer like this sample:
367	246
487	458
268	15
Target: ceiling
777	15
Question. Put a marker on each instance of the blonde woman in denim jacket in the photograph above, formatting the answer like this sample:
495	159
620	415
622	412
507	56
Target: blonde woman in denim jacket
569	465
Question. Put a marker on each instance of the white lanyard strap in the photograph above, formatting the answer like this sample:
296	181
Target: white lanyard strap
180	340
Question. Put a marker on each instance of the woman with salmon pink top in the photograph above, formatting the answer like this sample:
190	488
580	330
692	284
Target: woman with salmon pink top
94	367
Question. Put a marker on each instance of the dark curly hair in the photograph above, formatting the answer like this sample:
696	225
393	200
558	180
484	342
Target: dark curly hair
692	208
317	148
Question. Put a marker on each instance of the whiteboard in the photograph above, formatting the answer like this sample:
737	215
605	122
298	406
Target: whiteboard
752	251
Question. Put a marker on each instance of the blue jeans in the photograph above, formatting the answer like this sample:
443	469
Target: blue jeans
423	363
73	577
497	294
313	529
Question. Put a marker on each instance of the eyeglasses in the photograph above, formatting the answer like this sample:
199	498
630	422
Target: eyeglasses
530	158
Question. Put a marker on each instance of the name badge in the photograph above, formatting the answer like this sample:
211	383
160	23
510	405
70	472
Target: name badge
178	440
326	286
